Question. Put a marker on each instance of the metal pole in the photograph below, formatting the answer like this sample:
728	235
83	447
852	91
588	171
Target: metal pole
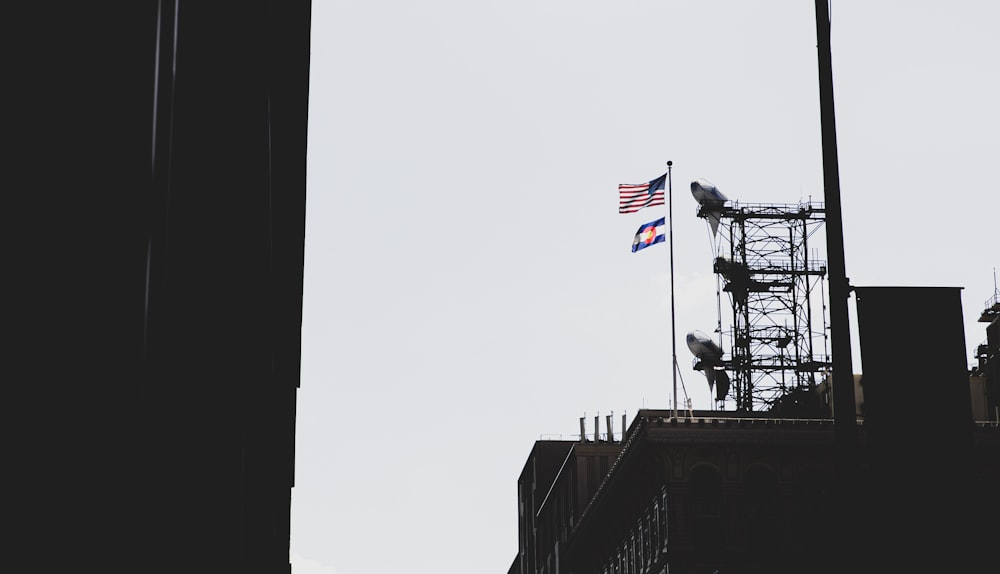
840	336
845	537
673	316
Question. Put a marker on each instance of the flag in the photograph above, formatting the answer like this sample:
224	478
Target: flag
633	197
648	234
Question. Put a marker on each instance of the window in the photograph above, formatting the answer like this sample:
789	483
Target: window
640	555
655	535
646	544
631	554
664	536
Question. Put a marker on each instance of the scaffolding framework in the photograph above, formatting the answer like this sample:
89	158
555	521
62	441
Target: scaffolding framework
775	283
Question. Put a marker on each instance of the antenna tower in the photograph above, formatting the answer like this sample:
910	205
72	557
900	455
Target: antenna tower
775	287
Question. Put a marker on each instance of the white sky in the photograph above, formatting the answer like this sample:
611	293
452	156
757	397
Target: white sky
469	284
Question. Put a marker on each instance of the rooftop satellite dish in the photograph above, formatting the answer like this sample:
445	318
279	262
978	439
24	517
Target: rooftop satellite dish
709	355
707	194
703	347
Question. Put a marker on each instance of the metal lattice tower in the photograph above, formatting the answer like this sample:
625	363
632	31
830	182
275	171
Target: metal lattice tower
775	284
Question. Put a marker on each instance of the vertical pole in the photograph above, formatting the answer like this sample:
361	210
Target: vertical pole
673	316
809	313
847	539
840	335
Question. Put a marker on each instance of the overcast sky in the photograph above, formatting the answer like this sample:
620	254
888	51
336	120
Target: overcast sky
469	285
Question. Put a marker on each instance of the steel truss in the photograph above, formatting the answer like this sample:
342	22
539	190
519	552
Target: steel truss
775	287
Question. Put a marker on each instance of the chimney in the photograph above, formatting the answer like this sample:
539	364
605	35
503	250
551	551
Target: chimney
583	429
597	427
611	428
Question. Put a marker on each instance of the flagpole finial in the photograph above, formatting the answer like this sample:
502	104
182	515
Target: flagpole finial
669	163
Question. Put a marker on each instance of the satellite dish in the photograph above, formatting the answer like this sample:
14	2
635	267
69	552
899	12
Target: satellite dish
703	347
709	354
707	194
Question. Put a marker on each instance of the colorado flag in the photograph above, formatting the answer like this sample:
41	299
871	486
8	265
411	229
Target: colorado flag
648	234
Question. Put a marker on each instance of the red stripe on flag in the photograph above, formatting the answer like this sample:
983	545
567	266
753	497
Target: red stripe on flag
630	202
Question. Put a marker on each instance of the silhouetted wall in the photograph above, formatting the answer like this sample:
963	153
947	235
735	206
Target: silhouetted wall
918	418
914	364
160	147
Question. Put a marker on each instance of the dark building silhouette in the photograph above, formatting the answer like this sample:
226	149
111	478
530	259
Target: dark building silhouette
913	356
717	491
159	153
558	480
925	461
727	492
987	370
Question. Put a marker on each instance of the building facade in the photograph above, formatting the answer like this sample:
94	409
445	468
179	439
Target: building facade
558	480
912	485
710	493
719	493
160	148
986	374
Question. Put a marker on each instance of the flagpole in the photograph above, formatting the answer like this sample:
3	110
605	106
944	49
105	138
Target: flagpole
673	316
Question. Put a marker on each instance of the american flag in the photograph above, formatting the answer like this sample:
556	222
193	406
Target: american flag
634	196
